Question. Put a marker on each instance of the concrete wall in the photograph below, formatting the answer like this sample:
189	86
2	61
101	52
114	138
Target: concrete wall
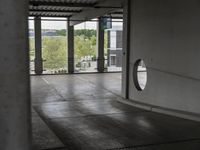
15	120
166	35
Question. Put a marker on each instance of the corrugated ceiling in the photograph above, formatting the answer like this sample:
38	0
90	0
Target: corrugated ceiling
59	8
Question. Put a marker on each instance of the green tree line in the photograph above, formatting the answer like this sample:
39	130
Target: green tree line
88	33
54	49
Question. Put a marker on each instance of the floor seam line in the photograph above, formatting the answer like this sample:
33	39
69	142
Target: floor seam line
46	81
101	87
43	119
157	144
95	115
72	100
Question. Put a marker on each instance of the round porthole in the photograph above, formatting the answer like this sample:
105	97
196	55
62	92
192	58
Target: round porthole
140	75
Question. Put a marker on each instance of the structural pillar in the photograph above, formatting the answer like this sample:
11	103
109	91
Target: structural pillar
15	116
100	46
70	47
126	49
38	46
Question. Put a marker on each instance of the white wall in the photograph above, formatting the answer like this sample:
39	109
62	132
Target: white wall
166	35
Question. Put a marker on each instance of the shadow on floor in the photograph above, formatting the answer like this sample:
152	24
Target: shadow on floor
82	114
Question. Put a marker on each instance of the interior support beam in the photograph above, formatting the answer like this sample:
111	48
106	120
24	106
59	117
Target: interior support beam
53	11
38	46
49	15
100	46
66	4
70	46
15	120
89	14
100	9
126	49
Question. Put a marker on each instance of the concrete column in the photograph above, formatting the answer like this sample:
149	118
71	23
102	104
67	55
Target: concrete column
100	46
38	46
108	45
70	47
15	123
126	49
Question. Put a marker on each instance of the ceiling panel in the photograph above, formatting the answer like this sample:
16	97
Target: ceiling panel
61	8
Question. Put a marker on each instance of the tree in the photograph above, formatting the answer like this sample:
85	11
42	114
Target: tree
88	33
54	52
106	43
32	48
84	47
54	49
61	32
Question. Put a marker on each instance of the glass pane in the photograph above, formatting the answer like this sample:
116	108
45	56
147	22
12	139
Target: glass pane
54	47
85	47
142	74
31	46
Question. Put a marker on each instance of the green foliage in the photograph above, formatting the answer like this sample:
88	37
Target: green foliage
54	49
85	43
61	32
54	52
32	48
85	46
106	43
88	33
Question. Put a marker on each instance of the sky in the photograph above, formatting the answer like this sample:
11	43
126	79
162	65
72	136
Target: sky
62	25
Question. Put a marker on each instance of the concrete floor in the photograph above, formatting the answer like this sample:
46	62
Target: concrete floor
79	112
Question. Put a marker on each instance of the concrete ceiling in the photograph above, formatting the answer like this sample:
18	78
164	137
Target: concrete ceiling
76	10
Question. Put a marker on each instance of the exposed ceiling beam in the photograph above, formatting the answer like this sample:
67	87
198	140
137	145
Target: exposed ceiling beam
117	17
88	15
110	6
53	10
49	15
118	13
38	3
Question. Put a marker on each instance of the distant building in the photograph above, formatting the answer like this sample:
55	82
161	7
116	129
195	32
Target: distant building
115	46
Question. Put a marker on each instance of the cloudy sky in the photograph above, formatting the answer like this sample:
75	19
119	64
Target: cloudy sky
62	25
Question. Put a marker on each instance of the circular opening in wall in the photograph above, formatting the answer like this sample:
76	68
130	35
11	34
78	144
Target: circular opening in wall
140	75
